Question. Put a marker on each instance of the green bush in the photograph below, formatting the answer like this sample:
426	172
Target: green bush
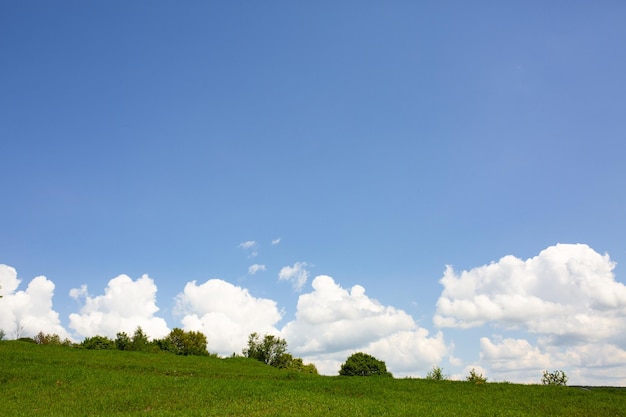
98	343
362	364
476	378
184	343
557	377
272	350
436	374
51	339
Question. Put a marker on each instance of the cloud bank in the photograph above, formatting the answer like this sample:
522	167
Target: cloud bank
562	309
26	313
226	314
332	323
566	297
125	305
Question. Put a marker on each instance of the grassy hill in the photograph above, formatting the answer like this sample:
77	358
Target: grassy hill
37	380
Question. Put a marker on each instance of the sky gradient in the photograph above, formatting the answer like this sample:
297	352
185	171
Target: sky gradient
435	183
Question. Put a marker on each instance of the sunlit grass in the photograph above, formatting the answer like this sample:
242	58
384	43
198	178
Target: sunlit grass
58	381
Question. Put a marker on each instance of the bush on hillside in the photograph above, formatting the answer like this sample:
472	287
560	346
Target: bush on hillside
476	378
183	342
436	374
362	364
51	339
272	350
557	377
98	343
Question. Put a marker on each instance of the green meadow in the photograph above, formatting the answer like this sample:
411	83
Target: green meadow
40	380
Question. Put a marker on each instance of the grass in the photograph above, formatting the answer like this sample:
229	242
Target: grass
38	380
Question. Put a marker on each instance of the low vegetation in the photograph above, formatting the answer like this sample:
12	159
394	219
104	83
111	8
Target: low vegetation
362	364
132	376
554	378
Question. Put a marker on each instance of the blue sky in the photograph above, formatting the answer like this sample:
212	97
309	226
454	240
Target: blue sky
379	141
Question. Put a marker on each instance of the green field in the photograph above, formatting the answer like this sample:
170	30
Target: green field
38	380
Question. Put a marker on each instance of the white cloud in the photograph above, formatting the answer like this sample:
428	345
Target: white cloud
567	297
297	274
253	269
26	313
251	246
568	292
585	364
125	305
276	241
226	314
332	323
248	244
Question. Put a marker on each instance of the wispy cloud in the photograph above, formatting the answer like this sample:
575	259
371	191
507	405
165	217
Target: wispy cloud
250	246
253	269
276	241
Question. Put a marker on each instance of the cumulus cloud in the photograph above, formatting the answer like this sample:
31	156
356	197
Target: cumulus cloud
568	292
296	274
26	313
567	297
226	314
125	305
332	323
253	269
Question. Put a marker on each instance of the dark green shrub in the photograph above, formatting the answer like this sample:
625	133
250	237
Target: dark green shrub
186	343
98	343
362	364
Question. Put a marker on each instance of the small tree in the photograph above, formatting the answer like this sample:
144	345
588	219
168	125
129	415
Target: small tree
140	340
123	341
186	343
2	334
270	350
476	378
436	374
51	339
557	377
362	364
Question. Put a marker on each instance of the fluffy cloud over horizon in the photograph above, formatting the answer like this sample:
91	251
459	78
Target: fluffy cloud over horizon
226	314
332	323
26	313
125	305
562	309
566	297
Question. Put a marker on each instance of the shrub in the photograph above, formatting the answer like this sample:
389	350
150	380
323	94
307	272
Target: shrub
557	377
185	343
436	374
51	339
2	334
97	342
270	350
476	378
362	364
